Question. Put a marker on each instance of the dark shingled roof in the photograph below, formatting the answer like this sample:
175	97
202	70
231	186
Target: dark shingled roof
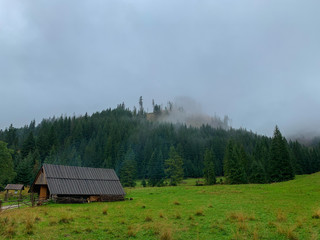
70	180
14	187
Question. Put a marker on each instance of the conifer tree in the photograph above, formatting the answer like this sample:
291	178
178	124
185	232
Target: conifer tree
233	166
257	173
209	172
7	173
155	170
174	167
128	170
280	168
24	170
28	145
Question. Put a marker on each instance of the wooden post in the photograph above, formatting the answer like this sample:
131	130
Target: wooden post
0	205
20	195
32	199
6	196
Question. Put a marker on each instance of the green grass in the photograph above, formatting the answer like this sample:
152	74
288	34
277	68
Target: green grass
288	210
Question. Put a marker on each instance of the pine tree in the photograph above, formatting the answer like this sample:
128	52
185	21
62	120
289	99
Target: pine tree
280	168
174	167
209	172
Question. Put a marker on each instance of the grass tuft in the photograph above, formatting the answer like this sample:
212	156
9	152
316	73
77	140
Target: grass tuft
148	219
176	203
161	215
287	231
29	226
281	216
199	212
166	235
65	219
131	233
316	214
105	211
178	215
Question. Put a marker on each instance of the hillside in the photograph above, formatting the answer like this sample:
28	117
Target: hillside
288	210
116	138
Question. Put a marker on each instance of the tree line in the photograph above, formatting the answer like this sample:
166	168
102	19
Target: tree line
158	153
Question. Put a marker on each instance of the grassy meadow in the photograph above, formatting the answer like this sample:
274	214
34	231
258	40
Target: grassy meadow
289	210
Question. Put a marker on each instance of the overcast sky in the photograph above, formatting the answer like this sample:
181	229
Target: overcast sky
257	61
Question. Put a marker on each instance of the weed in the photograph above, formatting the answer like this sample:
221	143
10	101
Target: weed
176	203
191	217
122	221
161	215
210	206
143	206
178	215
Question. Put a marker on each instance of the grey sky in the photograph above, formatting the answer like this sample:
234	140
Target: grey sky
256	61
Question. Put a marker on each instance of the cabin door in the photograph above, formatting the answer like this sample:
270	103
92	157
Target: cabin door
43	192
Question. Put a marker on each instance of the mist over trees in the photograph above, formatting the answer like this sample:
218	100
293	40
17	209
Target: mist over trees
139	146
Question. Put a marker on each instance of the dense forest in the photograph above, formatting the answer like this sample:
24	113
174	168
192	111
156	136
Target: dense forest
138	146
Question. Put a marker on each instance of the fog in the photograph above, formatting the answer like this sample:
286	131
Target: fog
254	61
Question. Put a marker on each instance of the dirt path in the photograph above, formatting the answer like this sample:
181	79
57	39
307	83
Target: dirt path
9	207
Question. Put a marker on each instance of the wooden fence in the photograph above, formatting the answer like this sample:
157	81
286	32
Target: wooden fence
23	202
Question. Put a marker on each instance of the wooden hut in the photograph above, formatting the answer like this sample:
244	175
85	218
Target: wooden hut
15	187
77	184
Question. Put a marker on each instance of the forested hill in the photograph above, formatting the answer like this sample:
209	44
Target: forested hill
113	137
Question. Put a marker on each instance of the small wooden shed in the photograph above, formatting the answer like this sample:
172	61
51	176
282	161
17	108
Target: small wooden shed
15	187
77	184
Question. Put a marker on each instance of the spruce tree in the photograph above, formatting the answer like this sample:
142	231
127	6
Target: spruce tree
280	167
128	170
24	170
155	170
233	166
28	145
209	171
7	173
174	167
